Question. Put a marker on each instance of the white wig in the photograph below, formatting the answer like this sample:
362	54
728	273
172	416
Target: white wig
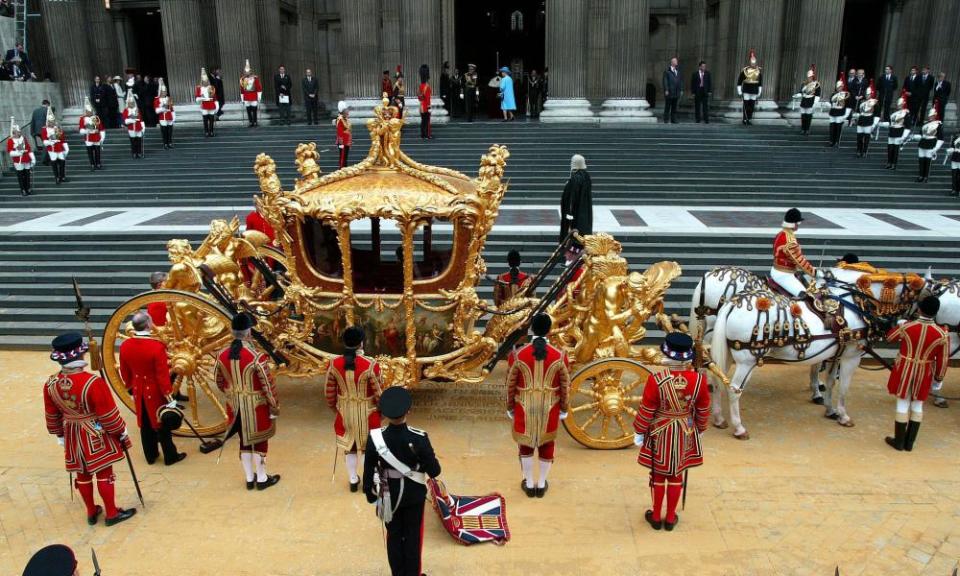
577	162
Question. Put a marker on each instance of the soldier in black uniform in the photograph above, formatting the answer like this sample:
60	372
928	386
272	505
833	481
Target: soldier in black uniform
411	449
470	101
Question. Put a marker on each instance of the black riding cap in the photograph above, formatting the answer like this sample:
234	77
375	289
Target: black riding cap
395	402
793	216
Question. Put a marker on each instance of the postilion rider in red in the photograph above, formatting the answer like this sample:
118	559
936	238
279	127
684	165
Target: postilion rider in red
81	413
672	415
538	382
511	282
921	366
353	389
243	374
146	374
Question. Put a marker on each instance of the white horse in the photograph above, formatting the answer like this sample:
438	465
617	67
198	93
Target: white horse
715	288
756	325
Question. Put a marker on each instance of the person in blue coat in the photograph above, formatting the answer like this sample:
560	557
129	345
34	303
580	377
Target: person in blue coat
507	102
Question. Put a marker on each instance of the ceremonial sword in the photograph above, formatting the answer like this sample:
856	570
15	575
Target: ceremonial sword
96	565
83	313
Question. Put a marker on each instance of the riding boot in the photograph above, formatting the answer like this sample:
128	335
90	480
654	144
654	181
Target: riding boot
890	149
93	160
859	145
55	166
956	181
96	154
133	147
921	169
896	156
256	110
250	119
805	123
63	170
913	428
926	168
899	435
866	144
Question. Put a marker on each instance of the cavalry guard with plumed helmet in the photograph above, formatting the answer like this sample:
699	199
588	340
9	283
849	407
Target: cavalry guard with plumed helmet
21	156
57	147
867	119
838	111
897	133
931	139
206	96
809	95
81	413
352	390
538	383
166	116
243	374
750	86
670	419
251	93
133	120
920	368
954	157
94	133
788	258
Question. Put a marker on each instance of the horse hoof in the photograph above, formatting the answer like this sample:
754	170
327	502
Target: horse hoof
722	425
831	415
744	436
818	400
848	423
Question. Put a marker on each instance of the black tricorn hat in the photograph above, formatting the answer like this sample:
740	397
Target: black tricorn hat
678	346
395	402
68	347
242	321
793	216
541	324
513	258
53	560
353	337
929	306
171	418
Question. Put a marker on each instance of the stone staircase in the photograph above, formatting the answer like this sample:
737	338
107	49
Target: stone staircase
675	165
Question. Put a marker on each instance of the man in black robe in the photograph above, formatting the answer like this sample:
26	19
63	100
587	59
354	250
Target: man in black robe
576	204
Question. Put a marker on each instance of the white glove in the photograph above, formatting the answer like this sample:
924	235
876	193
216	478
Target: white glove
798	95
60	438
916	137
759	91
816	100
570	217
510	414
171	404
563	415
936	388
739	91
938	146
638	439
950	150
901	322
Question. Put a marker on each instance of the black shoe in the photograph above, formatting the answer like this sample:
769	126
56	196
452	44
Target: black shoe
888	166
913	428
271	480
530	492
898	440
180	456
655	524
121	516
355	486
180	397
24	193
150	460
668	526
92	520
92	167
251	485
542	491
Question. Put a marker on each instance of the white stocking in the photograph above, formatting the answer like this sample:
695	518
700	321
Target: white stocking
261	467
352	467
526	465
246	459
916	410
544	470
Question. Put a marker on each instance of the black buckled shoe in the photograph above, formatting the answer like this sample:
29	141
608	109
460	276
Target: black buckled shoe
669	526
655	524
92	520
271	480
251	485
180	456
542	491
355	486
121	516
530	492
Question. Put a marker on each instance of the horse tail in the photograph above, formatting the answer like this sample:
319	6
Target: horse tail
719	350
693	322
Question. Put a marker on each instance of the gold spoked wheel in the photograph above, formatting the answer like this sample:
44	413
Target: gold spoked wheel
196	329
604	396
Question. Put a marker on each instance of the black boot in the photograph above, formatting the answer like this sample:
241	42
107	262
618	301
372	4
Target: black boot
92	157
866	144
55	166
927	162
890	149
913	428
96	155
899	436
896	156
63	170
133	147
921	170
956	182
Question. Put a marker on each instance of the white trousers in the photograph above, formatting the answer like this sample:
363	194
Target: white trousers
787	281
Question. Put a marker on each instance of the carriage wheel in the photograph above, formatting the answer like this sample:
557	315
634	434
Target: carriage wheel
603	401
196	330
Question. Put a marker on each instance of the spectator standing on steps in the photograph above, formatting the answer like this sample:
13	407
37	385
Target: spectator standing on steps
115	95
37	121
311	91
217	82
886	92
98	97
576	204
672	90
283	85
702	87
941	93
507	101
424	94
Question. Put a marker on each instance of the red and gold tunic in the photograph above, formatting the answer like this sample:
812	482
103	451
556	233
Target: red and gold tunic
164	109
55	140
674	411
507	287
787	254
250	89
251	393
92	130
206	96
146	374
353	395
344	132
536	394
80	408
923	355
134	122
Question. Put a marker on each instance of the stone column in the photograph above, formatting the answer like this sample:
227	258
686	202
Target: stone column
449	33
943	52
238	35
566	57
102	41
271	48
211	45
817	25
68	47
360	34
628	37
761	29
421	44
183	41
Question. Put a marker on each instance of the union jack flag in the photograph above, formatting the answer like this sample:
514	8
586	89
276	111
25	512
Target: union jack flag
470	519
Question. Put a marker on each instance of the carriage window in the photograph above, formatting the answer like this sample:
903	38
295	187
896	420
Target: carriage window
432	247
322	247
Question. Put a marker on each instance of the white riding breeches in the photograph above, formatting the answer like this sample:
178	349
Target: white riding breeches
787	281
